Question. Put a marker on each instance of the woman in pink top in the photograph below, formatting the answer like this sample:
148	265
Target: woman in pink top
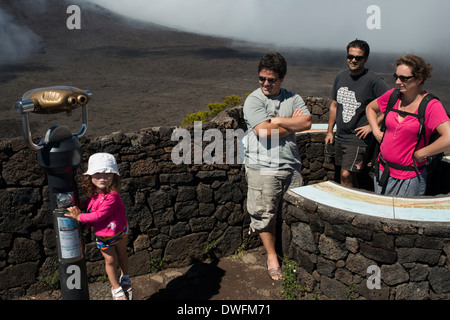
106	213
400	137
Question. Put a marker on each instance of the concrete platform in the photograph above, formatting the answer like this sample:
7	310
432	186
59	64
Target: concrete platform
241	277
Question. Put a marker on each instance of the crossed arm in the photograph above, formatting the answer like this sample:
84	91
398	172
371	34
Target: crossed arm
284	126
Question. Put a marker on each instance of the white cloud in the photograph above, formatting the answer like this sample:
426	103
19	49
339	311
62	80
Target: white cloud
406	25
419	26
18	42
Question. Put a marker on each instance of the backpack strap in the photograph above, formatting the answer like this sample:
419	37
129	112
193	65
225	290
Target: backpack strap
421	113
421	117
395	95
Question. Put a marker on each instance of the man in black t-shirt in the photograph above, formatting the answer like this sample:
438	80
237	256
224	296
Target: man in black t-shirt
352	91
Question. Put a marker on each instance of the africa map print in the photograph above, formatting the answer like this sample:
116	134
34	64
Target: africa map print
349	103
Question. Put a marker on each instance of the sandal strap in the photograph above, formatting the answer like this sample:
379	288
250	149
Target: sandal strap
118	293
275	271
125	280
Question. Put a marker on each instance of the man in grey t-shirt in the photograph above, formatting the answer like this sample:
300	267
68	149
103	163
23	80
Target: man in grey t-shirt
353	90
272	162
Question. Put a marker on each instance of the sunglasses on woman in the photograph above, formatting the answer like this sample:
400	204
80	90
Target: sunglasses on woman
402	78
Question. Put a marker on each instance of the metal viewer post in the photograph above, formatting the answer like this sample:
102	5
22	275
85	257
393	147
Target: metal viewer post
59	154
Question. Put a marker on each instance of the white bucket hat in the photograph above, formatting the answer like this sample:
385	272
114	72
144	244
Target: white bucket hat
102	163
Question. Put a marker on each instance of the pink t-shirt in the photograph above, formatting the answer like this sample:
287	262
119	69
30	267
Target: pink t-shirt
400	138
106	212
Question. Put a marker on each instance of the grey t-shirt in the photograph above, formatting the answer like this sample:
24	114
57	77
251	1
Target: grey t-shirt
353	94
271	153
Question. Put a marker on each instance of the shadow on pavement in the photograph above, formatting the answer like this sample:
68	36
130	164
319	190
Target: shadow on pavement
201	282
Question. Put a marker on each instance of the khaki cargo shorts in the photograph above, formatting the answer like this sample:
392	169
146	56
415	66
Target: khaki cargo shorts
266	189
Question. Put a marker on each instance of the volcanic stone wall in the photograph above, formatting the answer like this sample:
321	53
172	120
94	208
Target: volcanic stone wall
177	213
346	255
182	213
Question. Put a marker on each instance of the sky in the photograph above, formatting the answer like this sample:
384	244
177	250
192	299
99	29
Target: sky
402	26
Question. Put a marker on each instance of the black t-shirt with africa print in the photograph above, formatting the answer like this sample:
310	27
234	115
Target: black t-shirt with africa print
353	94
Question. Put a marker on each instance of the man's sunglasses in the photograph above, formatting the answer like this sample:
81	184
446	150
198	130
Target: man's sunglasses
402	78
357	58
271	80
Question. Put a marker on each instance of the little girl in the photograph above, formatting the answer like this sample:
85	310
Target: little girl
106	212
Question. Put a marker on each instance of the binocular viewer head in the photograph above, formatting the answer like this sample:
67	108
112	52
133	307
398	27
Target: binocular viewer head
52	100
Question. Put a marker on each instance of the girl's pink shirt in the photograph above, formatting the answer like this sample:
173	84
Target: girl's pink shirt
400	138
107	214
